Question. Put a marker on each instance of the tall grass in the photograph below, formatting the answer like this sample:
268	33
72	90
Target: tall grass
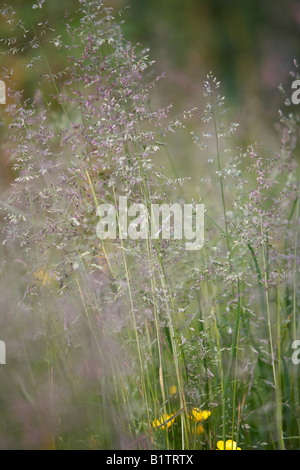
141	344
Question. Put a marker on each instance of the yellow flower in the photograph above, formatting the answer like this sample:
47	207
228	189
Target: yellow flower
199	430
173	390
199	415
159	423
229	445
43	276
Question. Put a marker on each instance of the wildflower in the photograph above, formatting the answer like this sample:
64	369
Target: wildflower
199	415
199	430
164	419
43	276
229	445
173	390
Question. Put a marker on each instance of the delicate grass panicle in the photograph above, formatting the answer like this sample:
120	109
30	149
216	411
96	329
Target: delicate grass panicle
138	344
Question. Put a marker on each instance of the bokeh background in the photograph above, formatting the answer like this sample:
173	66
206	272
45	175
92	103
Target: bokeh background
249	45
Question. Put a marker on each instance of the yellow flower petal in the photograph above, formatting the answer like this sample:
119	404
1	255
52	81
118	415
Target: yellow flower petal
231	445
206	414
43	276
199	430
220	445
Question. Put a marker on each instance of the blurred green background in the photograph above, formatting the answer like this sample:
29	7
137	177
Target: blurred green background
249	45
